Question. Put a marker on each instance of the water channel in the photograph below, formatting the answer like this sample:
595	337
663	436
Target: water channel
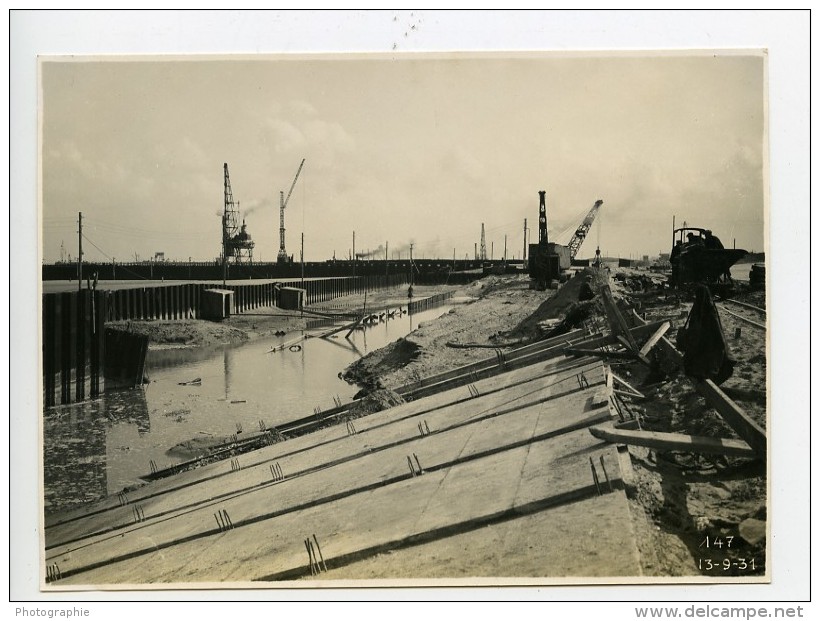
99	447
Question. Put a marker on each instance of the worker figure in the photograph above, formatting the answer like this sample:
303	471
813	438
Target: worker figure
693	240
673	259
675	250
712	241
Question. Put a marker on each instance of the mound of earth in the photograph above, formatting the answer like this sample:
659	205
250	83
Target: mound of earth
366	371
183	333
560	304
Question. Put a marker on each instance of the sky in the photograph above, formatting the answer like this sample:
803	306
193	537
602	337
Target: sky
401	149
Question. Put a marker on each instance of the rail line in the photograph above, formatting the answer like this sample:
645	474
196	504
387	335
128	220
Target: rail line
746	313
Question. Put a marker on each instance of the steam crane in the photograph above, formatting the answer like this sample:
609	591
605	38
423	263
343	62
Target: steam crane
547	260
581	232
236	241
282	257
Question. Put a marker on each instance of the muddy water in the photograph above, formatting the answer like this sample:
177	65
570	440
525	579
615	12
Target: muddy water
97	448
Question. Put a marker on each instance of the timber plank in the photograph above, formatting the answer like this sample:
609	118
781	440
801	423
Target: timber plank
675	441
733	414
653	340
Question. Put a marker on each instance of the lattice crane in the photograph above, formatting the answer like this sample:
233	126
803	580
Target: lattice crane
236	242
581	232
282	257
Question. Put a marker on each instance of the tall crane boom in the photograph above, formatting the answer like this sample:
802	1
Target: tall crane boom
581	232
282	257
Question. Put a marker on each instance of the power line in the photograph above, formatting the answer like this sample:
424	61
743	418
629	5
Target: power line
122	267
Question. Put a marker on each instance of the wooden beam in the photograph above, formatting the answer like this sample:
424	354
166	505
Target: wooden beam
628	386
625	342
599	353
664	343
355	324
653	340
616	320
675	442
734	415
627	472
626	393
347	326
609	339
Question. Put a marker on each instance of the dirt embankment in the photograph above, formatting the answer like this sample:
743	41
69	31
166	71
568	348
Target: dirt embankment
201	333
183	332
494	312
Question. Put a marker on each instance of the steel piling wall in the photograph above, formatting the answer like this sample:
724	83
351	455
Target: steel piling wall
73	345
416	306
73	329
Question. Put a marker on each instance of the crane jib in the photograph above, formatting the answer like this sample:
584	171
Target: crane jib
581	233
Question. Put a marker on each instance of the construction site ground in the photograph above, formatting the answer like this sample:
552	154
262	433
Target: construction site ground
680	498
492	483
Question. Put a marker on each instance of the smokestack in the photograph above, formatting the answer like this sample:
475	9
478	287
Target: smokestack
542	218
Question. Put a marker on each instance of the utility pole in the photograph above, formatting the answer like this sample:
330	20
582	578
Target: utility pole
80	257
410	289
492	250
475	251
525	240
354	254
505	248
386	263
302	260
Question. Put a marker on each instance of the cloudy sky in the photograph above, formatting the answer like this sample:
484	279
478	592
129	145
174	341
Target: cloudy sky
401	149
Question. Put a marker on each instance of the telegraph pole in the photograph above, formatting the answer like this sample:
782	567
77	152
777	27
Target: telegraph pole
80	257
411	266
525	240
354	254
302	259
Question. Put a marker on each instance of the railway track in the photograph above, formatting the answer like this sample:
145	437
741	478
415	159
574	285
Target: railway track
747	313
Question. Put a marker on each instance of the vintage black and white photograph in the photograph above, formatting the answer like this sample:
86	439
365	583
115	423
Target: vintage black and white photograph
400	318
404	317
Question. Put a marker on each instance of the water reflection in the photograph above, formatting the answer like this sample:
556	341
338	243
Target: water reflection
77	448
98	448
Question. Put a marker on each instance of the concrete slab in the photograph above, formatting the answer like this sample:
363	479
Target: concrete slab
563	542
332	441
356	492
